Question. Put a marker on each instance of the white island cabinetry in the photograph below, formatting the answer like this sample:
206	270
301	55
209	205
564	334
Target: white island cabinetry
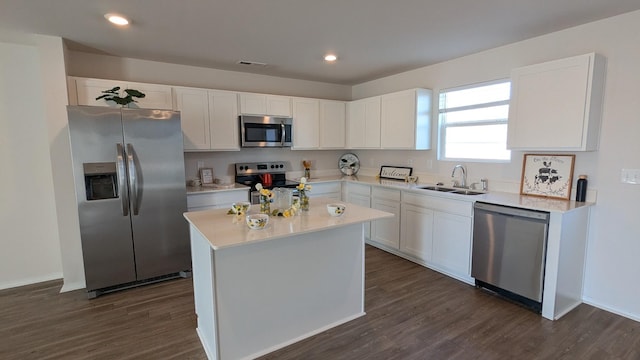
308	270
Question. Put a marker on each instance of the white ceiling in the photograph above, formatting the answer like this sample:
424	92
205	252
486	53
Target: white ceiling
372	38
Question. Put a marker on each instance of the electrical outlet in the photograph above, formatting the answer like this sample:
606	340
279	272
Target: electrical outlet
630	176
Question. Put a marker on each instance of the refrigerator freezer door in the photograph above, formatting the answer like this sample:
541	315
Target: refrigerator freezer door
107	245
157	195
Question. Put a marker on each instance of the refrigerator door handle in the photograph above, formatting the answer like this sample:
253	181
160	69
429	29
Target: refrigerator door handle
133	179
122	178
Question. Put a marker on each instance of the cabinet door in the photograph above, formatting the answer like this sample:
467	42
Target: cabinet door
264	104
416	232
306	123
386	231
332	190
255	104
156	96
406	120
452	243
278	105
223	120
361	200
332	124
363	123
89	89
556	105
194	116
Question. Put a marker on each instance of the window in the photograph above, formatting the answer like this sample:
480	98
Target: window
473	122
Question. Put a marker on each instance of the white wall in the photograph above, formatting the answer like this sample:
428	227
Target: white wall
29	241
612	266
110	67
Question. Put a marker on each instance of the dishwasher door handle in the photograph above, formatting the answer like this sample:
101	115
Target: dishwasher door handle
512	211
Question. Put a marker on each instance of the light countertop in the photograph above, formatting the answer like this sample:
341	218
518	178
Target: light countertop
215	188
493	197
225	231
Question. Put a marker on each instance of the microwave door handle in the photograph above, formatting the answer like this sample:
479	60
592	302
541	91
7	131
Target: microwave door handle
283	134
122	179
133	179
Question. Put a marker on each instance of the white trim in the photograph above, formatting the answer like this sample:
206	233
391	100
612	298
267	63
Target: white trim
31	281
590	301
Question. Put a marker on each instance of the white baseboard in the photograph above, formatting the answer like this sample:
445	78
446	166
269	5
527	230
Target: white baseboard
30	281
592	302
72	286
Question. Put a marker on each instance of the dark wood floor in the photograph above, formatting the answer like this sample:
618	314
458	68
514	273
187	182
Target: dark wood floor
412	313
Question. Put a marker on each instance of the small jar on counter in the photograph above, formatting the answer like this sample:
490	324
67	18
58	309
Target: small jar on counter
581	189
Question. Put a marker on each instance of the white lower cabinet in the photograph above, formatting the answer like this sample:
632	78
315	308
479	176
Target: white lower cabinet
386	231
437	231
452	243
215	200
416	229
359	194
332	190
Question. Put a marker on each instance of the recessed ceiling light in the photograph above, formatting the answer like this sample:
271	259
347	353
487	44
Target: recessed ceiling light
330	58
116	19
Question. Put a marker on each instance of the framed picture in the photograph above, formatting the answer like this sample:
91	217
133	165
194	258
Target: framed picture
395	172
547	175
206	175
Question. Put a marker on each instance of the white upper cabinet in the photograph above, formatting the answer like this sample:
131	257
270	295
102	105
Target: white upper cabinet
557	105
264	104
332	124
363	123
223	120
209	118
87	90
406	120
306	123
194	116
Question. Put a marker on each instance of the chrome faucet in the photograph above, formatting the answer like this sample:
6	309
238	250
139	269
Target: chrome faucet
463	183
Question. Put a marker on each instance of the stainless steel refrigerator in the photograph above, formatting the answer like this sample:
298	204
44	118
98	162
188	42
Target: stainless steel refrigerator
128	167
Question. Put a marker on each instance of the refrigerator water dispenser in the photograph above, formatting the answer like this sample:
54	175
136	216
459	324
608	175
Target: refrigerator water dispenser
100	180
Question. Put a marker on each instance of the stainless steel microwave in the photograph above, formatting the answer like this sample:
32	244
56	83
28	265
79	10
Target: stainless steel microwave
265	131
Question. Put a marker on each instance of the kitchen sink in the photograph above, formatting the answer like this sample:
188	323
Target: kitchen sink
451	190
437	188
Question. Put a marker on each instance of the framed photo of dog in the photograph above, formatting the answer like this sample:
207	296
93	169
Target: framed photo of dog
547	175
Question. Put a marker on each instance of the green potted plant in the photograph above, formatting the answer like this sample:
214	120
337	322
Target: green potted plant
113	95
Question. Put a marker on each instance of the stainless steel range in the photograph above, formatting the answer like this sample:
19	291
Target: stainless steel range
271	174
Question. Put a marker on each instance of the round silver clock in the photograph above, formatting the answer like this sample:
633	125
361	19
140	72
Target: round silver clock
349	164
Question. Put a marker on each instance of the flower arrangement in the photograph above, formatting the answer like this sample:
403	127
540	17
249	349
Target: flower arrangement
307	168
303	189
266	198
295	207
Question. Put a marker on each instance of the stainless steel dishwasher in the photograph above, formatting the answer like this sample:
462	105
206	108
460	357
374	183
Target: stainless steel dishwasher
509	251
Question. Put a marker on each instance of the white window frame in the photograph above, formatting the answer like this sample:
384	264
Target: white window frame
442	126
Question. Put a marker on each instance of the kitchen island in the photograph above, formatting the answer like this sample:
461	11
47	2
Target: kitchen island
256	291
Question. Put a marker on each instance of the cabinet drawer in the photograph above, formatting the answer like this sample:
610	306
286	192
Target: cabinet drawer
383	193
437	203
359	189
326	187
216	198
